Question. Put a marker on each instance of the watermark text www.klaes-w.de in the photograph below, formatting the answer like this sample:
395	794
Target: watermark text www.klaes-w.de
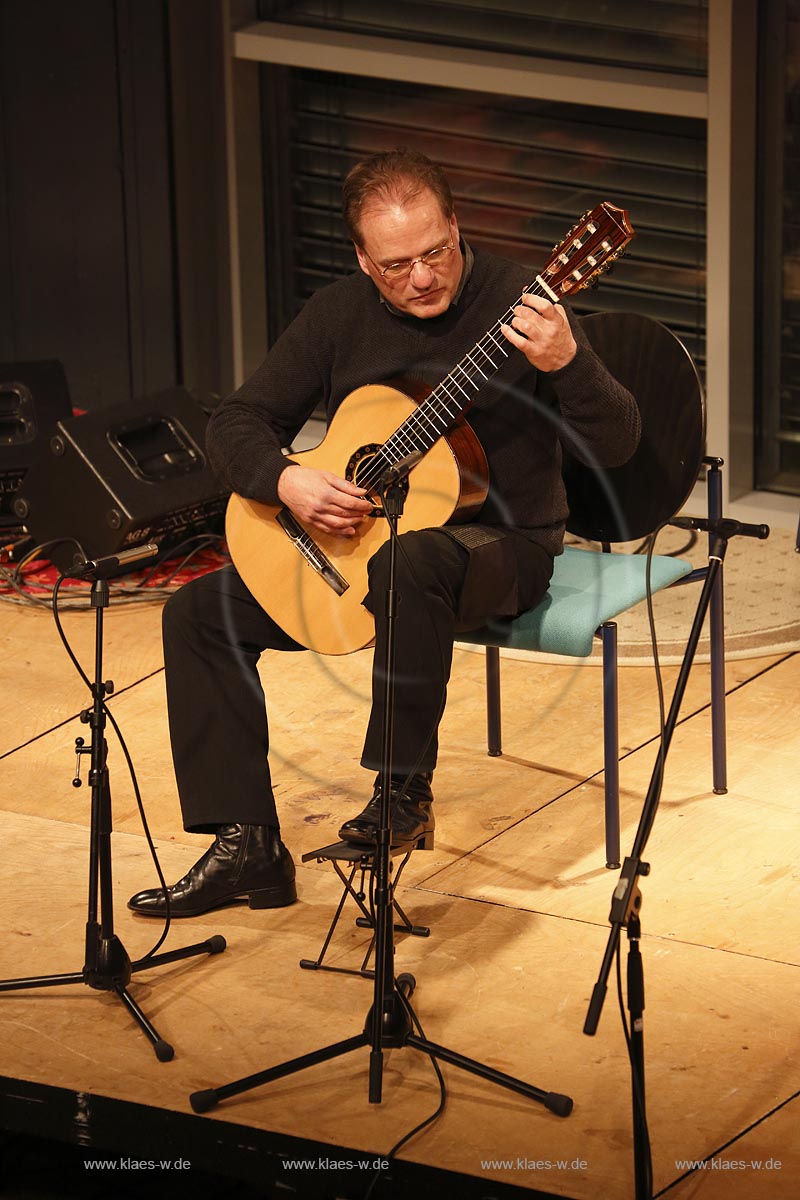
728	1164
137	1164
534	1164
336	1164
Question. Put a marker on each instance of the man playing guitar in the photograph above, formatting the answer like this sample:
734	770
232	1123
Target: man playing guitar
421	301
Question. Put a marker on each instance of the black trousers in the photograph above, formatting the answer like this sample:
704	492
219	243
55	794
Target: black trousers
215	632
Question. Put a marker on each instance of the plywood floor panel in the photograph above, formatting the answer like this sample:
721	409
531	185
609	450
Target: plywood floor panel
504	986
318	711
41	686
515	893
721	864
762	1164
45	689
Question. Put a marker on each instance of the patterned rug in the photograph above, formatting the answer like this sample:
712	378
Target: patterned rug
761	583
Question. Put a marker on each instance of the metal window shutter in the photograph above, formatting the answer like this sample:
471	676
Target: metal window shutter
522	172
665	35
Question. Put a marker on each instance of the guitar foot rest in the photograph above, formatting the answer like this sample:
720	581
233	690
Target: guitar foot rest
360	860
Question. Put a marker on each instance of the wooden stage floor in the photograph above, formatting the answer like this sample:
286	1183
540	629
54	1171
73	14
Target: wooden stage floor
516	896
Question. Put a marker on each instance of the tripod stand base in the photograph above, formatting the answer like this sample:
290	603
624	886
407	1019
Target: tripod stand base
396	1031
112	972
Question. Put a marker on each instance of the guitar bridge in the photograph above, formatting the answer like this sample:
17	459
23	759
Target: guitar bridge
311	552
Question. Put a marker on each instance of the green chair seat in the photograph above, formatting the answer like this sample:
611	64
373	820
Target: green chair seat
586	590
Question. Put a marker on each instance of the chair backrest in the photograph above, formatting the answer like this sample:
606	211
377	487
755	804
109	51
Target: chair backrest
621	504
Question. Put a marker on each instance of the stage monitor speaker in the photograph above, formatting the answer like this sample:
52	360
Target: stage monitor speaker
122	476
33	397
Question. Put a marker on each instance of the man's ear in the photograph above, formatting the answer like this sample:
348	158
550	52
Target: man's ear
455	235
363	261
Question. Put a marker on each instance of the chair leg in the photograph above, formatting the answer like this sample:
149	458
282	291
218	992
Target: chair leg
493	730
716	620
608	634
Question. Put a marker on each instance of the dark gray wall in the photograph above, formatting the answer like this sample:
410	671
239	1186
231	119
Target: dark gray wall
86	208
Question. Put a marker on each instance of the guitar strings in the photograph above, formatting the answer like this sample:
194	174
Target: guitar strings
419	431
408	437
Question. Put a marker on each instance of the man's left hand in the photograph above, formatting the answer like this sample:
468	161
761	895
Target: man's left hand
541	331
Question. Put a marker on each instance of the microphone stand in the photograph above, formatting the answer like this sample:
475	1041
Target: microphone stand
388	1023
626	901
107	966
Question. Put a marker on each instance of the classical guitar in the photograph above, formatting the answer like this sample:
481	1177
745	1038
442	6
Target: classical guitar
313	583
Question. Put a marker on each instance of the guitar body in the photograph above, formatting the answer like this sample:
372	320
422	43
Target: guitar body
449	483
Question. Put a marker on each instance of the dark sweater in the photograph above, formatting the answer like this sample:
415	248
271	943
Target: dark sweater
345	337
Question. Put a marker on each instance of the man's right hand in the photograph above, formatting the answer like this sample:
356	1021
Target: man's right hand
322	499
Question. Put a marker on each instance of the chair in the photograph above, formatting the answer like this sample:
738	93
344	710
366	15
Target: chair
627	503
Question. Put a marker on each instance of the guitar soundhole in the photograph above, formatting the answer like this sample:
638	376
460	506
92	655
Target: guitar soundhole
362	470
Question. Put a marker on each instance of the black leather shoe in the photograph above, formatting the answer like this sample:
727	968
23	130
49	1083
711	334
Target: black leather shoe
411	816
245	862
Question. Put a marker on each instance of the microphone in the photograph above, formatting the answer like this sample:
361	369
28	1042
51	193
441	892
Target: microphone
400	469
102	568
723	526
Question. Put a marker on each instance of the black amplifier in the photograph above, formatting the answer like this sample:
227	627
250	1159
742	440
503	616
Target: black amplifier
33	397
122	476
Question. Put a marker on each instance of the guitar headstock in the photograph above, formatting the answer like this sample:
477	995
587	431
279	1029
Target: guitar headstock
590	248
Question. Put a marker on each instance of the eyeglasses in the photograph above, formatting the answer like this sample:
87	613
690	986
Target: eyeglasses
399	270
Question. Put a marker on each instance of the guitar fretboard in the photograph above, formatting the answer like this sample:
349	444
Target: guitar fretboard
589	248
452	397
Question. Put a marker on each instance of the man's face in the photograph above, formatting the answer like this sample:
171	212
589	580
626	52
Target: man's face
393	233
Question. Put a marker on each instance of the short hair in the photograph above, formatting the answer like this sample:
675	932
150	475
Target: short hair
399	175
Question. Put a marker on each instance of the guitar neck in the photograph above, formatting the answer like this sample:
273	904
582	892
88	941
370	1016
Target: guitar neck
456	393
589	248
